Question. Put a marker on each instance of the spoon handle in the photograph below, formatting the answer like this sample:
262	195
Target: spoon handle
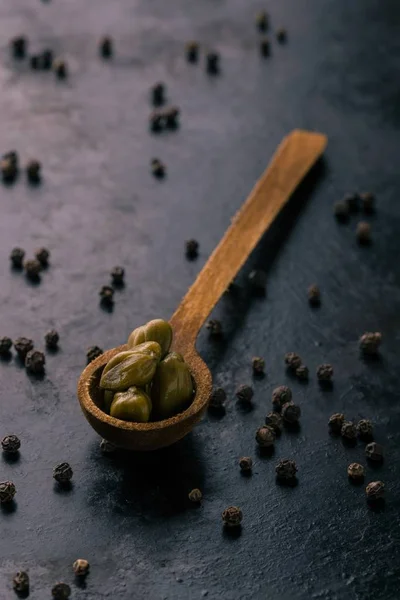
293	159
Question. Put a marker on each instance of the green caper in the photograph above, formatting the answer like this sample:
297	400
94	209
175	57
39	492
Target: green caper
136	367
172	387
132	405
108	398
157	330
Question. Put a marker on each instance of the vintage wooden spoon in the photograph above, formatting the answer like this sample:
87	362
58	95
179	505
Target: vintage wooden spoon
294	157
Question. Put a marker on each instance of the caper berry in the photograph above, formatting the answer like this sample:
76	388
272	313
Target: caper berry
133	405
172	387
157	330
132	368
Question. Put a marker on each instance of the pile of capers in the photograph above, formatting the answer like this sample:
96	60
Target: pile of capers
146	382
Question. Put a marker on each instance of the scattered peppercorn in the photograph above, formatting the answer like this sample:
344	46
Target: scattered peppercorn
245	464
375	491
33	169
348	430
353	202
374	452
61	591
370	342
274	420
281	35
212	63
21	582
286	469
341	211
192	51
42	255
47	59
60	68
368	202
81	567
214	327
356	472
363	233
117	275
195	496
93	352
258	280
106	47
10	444
157	168
302	373
63	473
19	47
35	61
22	346
325	372
35	361
171	116
314	295
265	47
258	365
52	338
192	249
217	399
5	346
106	295
365	429
232	516
292	360
335	422
156	121
291	413
280	396
7	492
265	436
17	257
262	21
8	170
158	94
244	393
107	447
32	269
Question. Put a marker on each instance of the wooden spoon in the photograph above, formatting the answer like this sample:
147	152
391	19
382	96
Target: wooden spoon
294	157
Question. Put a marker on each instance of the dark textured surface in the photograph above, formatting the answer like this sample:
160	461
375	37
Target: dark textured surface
99	206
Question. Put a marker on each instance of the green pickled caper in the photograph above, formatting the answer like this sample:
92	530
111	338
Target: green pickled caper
132	405
108	398
157	330
136	367
172	387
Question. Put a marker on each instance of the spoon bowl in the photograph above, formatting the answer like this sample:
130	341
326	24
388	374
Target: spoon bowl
297	153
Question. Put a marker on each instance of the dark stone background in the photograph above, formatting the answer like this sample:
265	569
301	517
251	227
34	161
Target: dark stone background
99	206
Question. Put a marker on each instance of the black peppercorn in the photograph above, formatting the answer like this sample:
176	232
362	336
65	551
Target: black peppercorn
157	168
93	352
62	473
212	63
365	430
368	202
258	280
348	431
195	496
5	346
302	373
42	255
335	422
325	372
341	211
35	61
156	121
314	295
22	346
258	365
363	233
246	464
375	491
217	399
370	342
274	420
117	275
192	249
244	394
286	470
353	202
19	47
47	59
214	327
262	21
281	35
356	472
61	591
192	51
60	68
107	447
35	361
374	452
265	436
81	567
292	360
7	492
158	94
171	116
17	257
106	47
32	269
106	295
33	171
8	170
232	516
21	582
280	396
10	444
265	47
291	413
52	338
